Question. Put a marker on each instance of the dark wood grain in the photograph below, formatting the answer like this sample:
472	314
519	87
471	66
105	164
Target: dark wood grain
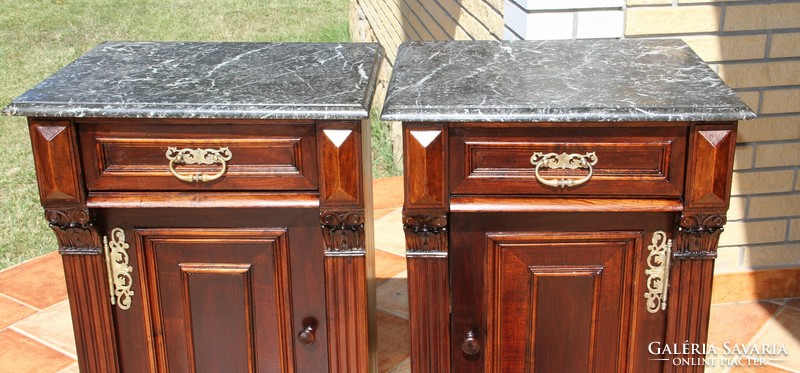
548	279
346	292
425	166
55	156
229	274
630	161
92	318
339	152
283	260
429	314
132	156
710	166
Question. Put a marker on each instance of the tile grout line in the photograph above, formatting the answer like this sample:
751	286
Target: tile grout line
392	369
37	309
7	269
44	342
393	313
761	331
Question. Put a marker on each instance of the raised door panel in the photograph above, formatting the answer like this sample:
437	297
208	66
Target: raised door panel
212	294
219	299
559	301
556	292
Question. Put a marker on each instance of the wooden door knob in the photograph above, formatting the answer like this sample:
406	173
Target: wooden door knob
308	336
471	346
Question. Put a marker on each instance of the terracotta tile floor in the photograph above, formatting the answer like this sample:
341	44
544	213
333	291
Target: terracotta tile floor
36	333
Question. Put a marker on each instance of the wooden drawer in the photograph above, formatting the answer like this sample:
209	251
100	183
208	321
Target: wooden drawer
631	161
132	155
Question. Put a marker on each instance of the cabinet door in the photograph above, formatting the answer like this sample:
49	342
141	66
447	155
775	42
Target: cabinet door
558	293
218	298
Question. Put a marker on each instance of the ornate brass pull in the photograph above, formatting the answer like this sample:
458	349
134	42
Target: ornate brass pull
658	261
471	346
198	156
309	335
119	272
563	161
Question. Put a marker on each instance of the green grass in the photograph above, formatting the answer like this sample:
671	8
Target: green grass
383	164
39	37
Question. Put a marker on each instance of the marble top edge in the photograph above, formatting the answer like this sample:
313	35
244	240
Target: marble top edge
264	80
505	115
557	80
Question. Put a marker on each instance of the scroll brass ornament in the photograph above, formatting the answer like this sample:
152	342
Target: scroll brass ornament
658	272
563	161
198	156
119	272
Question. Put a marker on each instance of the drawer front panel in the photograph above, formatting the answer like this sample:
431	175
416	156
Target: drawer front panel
261	157
624	161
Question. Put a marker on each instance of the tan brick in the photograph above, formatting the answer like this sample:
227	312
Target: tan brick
781	101
760	74
672	20
727	48
769	129
750	98
774	206
492	20
771	256
753	232
762	16
785	45
728	258
736	211
761	182
471	24
648	2
776	155
496	4
743	159
784	16
794	230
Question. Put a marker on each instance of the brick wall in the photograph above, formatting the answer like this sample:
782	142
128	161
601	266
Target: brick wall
754	45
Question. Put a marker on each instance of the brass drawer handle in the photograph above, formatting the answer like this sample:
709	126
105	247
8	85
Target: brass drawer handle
563	161
198	156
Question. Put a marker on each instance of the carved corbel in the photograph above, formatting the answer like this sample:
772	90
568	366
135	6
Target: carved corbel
75	231
343	232
698	235
426	235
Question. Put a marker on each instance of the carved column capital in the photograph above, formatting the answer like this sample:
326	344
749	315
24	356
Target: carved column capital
343	232
698	236
74	230
426	235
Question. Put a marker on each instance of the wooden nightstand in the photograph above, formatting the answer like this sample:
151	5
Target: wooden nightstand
210	202
563	201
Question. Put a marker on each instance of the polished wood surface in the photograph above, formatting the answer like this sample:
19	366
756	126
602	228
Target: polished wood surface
237	274
132	156
631	161
425	149
546	279
57	166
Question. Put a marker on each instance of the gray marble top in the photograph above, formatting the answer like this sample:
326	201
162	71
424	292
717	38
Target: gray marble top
210	80
557	81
